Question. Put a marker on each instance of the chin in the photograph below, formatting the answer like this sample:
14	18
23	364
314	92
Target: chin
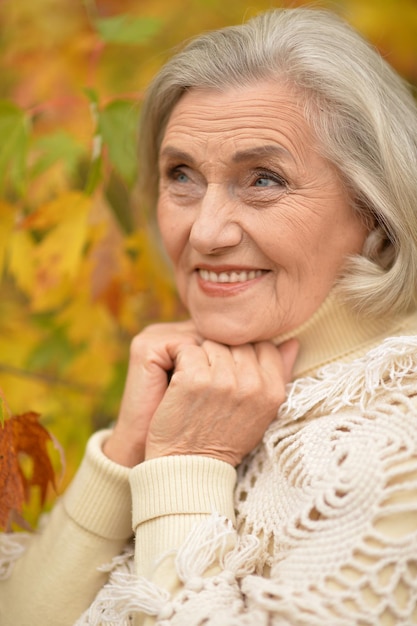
226	334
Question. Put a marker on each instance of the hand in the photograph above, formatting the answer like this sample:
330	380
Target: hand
152	355
221	399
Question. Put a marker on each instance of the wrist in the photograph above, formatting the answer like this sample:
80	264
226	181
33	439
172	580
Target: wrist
123	450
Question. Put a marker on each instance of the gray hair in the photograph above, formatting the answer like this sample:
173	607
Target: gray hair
362	112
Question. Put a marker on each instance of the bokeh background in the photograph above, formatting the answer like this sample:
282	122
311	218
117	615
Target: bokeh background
81	271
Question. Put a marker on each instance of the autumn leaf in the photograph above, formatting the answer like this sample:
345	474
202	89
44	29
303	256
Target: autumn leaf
118	125
45	270
21	259
22	435
7	220
57	147
14	130
125	29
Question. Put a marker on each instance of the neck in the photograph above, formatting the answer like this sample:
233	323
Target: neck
336	333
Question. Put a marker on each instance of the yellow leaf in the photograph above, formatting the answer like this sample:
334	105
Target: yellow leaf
94	367
86	320
7	220
60	251
21	260
18	336
59	210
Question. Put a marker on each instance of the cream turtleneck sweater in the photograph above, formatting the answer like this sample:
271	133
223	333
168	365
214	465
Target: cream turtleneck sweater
166	499
336	333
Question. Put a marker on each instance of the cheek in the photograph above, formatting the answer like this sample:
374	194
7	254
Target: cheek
286	239
346	236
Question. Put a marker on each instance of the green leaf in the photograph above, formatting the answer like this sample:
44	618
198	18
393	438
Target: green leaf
53	354
95	174
14	133
59	146
91	95
125	29
119	198
95	171
118	126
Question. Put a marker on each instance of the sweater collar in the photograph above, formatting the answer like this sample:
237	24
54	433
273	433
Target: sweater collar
336	332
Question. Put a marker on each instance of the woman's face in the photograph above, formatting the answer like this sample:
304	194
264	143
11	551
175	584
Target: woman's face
256	223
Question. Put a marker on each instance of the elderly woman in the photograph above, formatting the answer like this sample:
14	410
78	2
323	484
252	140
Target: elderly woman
265	454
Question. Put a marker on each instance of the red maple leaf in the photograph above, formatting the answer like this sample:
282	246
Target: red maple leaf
22	435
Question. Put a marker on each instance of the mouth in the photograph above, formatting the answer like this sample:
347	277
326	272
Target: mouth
229	277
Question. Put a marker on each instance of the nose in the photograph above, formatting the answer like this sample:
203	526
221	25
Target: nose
216	224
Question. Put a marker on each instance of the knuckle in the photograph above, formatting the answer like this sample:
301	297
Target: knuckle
141	347
136	346
277	395
196	380
226	384
252	385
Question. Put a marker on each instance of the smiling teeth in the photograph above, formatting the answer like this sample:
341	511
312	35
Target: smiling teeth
229	277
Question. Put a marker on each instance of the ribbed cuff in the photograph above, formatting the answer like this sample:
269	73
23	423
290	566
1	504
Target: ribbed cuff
98	499
181	485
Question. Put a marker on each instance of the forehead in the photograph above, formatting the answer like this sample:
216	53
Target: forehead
240	118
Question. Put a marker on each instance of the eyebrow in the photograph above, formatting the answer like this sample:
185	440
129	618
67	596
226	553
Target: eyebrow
178	155
262	151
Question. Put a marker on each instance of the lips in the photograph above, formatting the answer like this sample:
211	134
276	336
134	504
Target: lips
225	277
227	281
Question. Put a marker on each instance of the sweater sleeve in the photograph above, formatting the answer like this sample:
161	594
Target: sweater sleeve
57	577
169	496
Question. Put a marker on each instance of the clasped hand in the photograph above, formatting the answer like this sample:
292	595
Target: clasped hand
218	403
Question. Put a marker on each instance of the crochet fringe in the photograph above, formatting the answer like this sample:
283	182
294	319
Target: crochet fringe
12	547
125	594
212	540
207	541
391	366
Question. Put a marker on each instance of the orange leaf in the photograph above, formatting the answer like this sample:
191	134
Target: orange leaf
22	435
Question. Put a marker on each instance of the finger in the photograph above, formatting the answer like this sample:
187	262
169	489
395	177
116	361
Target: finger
175	345
281	359
244	354
190	359
288	351
218	354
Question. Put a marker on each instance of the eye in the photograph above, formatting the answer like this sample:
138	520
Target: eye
178	175
267	178
182	182
264	182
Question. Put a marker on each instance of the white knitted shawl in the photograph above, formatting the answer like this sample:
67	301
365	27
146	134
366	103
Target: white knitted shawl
326	515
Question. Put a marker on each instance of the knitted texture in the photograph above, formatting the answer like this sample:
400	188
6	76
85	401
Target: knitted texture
326	515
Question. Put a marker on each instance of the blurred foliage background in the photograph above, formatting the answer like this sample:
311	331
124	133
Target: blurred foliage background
80	270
